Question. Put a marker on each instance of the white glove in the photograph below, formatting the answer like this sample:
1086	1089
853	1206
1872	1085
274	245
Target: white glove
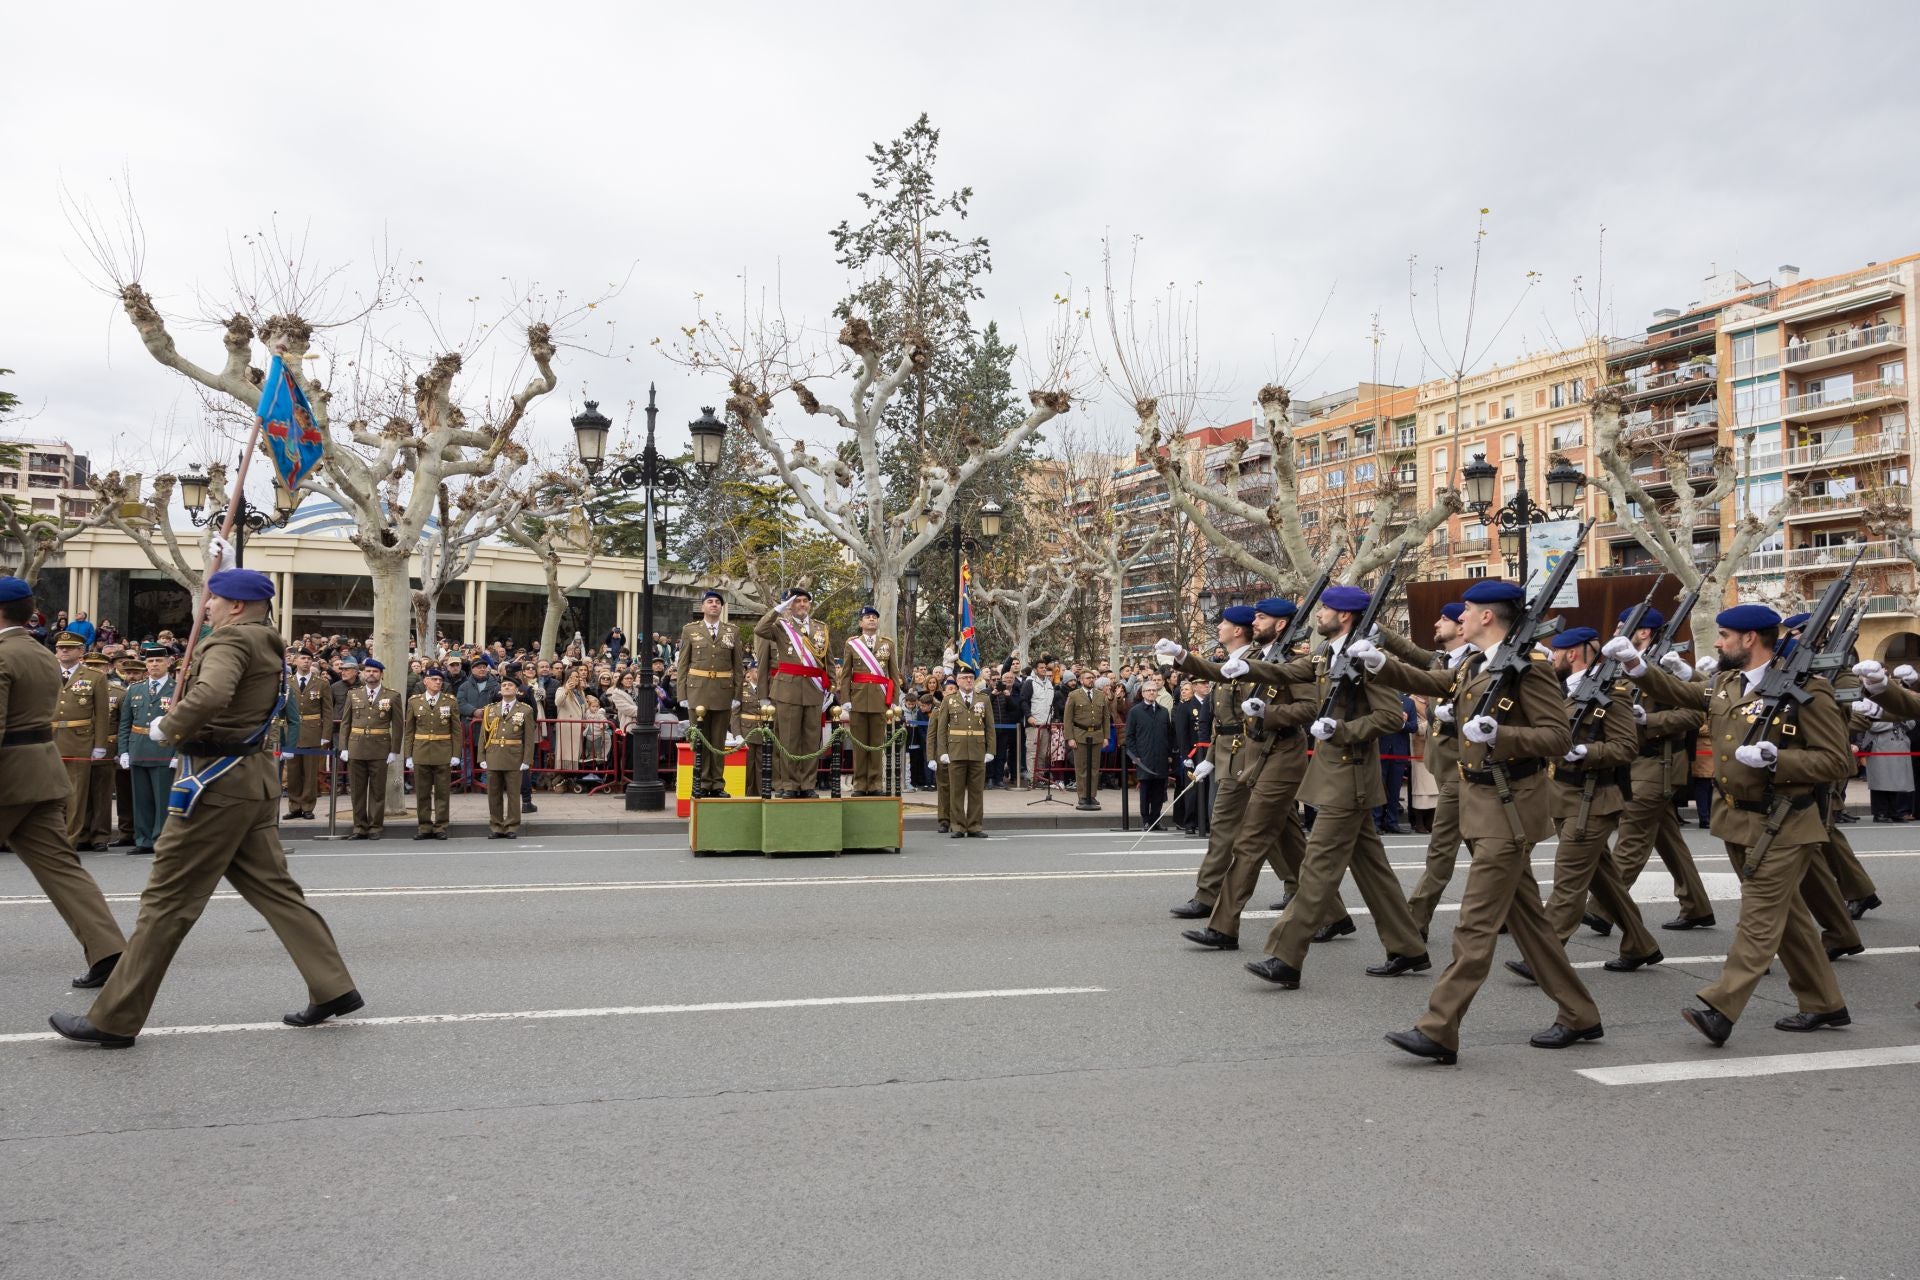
1622	649
393	757
1443	712
1323	728
1873	676
126	761
784	605
1202	770
1906	675
525	767
1368	654
1761	755
455	762
989	758
1253	706
1169	649
1577	754
735	706
1639	714
1868	708
99	753
1481	729
946	758
932	765
409	762
1680	667
219	550
325	741
1707	666
157	731
1233	669
734	743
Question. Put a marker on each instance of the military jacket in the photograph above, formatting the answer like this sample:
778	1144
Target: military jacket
507	735
791	688
1811	736
1278	731
710	669
371	727
1612	740
433	728
315	706
1344	771
864	694
1663	762
1087	715
230	693
959	730
144	703
83	717
29	692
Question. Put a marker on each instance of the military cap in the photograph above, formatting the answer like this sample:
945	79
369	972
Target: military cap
1651	618
241	584
1795	622
964	669
1452	612
14	589
1238	614
711	594
1345	599
1747	617
1574	636
1275	607
868	611
433	671
68	640
799	593
1493	591
374	664
94	660
152	649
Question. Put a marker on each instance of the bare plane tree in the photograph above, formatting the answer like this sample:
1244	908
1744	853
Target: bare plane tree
1041	599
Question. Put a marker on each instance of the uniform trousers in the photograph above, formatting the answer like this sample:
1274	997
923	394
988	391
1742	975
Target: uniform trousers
303	783
367	792
1271	836
797	726
1825	899
79	779
1443	854
123	802
1648	825
869	767
1501	890
711	773
1086	771
503	799
1343	838
432	785
942	804
1840	858
963	783
237	839
37	832
151	783
1581	864
1230	797
101	789
1774	920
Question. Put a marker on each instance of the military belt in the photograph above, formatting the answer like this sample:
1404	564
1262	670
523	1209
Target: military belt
72	724
1660	746
710	675
388	729
141	729
1228	728
1515	769
26	737
1762	806
966	733
1576	777
433	737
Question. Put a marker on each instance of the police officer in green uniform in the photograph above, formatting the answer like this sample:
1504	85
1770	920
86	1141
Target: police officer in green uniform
148	763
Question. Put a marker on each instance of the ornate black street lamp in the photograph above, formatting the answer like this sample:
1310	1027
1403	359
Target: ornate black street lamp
957	540
1565	485
250	519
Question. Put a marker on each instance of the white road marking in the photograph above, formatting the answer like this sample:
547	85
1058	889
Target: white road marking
1768	1065
1673	960
615	1011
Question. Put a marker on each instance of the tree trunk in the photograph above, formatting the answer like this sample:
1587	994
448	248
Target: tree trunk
556	606
886	598
1117	584
392	615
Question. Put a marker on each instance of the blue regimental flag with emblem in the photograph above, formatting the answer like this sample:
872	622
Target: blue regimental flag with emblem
968	650
286	419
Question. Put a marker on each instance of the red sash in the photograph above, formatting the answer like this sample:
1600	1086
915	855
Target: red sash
867	677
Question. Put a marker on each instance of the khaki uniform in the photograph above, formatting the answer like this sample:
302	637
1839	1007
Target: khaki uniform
82	722
1343	784
152	762
960	730
1774	919
1500	888
709	673
1587	804
371	725
1087	719
233	832
1662	765
756	720
34	788
798	698
868	701
314	702
1440	749
506	743
432	742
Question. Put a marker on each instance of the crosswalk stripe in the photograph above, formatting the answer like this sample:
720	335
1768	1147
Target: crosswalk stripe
1722	1068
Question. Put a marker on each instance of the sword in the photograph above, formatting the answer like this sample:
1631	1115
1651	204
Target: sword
1164	811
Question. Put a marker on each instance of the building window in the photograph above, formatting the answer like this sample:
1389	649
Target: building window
1473	531
1337	478
1540	398
46	482
1362	472
1477	570
1579	390
1506	408
1405	473
1756	403
1309	519
1480	414
1557	397
1894	371
1439	464
1509	444
1404	435
9	479
1310	485
1569	435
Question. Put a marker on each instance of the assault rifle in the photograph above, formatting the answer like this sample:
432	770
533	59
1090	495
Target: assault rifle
1591	693
1663	640
1345	676
1301	624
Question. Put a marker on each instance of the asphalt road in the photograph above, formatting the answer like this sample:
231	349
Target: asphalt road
552	1094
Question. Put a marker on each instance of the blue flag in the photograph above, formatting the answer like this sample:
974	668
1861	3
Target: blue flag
968	653
286	419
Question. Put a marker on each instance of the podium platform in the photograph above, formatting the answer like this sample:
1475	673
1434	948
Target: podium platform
787	828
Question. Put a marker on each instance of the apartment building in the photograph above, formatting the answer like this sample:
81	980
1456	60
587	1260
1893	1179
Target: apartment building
47	477
1346	447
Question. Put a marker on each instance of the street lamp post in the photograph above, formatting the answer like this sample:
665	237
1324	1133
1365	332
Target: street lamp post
249	518
1565	485
656	479
957	540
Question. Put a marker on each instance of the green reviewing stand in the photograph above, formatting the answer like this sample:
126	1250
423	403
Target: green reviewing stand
869	824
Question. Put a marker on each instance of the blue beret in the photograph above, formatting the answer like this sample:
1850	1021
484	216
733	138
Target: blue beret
13	589
241	584
373	664
1574	636
1493	591
1797	620
1651	618
1452	612
1344	599
1238	614
1275	607
433	671
868	611
711	594
1747	617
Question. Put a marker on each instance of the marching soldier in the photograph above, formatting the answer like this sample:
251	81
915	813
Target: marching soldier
371	723
957	739
507	730
709	673
1851	881
1805	750
1504	811
1087	720
869	678
224	824
309	694
432	749
1441	751
128	672
798	685
34	787
1344	786
80	730
148	763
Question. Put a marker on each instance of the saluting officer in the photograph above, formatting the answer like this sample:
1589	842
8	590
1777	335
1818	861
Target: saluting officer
869	679
81	731
507	729
225	823
1804	751
795	680
371	724
1087	718
34	787
148	763
308	691
432	749
709	673
957	738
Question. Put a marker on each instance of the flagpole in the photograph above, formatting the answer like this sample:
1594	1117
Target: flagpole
226	535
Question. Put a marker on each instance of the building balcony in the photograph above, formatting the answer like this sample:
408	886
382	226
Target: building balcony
1618	529
1804	559
1826	506
1669	382
1756	365
1658	477
1841	348
1858	448
1827	404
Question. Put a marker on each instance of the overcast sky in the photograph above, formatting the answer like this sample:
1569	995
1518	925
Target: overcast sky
1275	152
